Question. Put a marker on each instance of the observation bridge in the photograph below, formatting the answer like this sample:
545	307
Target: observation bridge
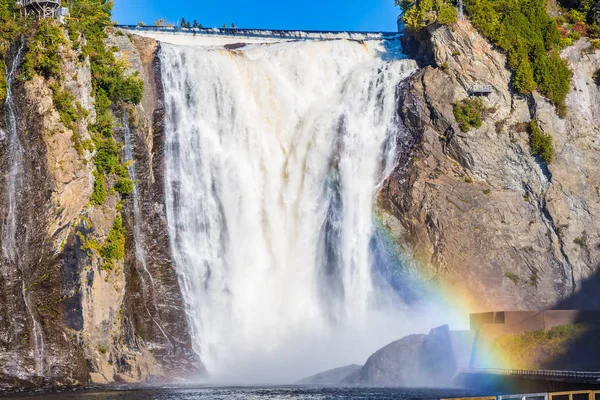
538	380
226	36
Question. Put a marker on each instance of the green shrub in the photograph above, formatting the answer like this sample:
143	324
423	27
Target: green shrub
107	158
420	13
124	186
110	87
3	82
468	113
531	40
66	105
43	56
114	247
11	26
99	193
541	143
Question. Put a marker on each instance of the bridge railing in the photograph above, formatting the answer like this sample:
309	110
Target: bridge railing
265	33
570	395
535	373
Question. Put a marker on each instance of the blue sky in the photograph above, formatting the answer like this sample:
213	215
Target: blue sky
363	15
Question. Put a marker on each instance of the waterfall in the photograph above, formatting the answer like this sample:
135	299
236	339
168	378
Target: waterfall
274	154
13	191
140	252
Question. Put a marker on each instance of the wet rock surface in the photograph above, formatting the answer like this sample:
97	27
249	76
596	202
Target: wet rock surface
64	319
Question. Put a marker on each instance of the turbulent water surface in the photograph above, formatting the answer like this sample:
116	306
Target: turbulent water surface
274	154
258	393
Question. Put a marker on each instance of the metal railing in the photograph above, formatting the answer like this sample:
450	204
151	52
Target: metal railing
265	33
535	373
591	395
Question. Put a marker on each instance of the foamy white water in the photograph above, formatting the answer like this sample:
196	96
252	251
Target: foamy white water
273	158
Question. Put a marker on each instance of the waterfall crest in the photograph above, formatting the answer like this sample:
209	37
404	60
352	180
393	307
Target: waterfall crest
273	158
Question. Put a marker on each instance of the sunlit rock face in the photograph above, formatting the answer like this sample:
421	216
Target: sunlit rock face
64	320
498	227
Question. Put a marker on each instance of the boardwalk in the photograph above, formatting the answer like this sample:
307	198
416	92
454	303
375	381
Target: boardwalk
548	375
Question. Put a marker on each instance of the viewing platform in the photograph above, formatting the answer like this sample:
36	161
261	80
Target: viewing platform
480	90
546	375
554	383
43	9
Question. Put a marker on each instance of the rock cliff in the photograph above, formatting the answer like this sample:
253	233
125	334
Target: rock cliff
481	215
415	360
65	318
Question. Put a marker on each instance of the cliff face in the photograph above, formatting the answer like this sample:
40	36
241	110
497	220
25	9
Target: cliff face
482	215
65	319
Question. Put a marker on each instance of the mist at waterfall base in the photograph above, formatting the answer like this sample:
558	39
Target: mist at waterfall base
274	154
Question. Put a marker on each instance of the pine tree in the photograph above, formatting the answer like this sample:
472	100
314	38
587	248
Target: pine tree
182	24
224	26
196	25
232	25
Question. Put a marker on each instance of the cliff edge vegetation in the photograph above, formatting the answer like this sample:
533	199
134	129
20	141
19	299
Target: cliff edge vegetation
528	32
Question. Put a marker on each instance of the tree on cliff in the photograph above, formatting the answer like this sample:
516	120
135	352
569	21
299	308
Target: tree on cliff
420	13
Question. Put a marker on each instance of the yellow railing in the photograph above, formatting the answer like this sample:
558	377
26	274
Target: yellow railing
571	395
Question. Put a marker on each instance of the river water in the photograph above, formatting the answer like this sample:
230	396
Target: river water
252	392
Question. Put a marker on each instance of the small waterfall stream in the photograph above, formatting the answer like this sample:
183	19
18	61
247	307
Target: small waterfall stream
140	252
14	185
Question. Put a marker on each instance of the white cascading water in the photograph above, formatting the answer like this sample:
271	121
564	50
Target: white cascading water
140	252
14	185
274	154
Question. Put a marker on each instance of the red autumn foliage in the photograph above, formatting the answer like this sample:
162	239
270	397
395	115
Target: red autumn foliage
581	28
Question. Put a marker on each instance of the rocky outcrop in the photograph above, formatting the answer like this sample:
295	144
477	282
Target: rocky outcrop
415	360
334	376
65	319
480	214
